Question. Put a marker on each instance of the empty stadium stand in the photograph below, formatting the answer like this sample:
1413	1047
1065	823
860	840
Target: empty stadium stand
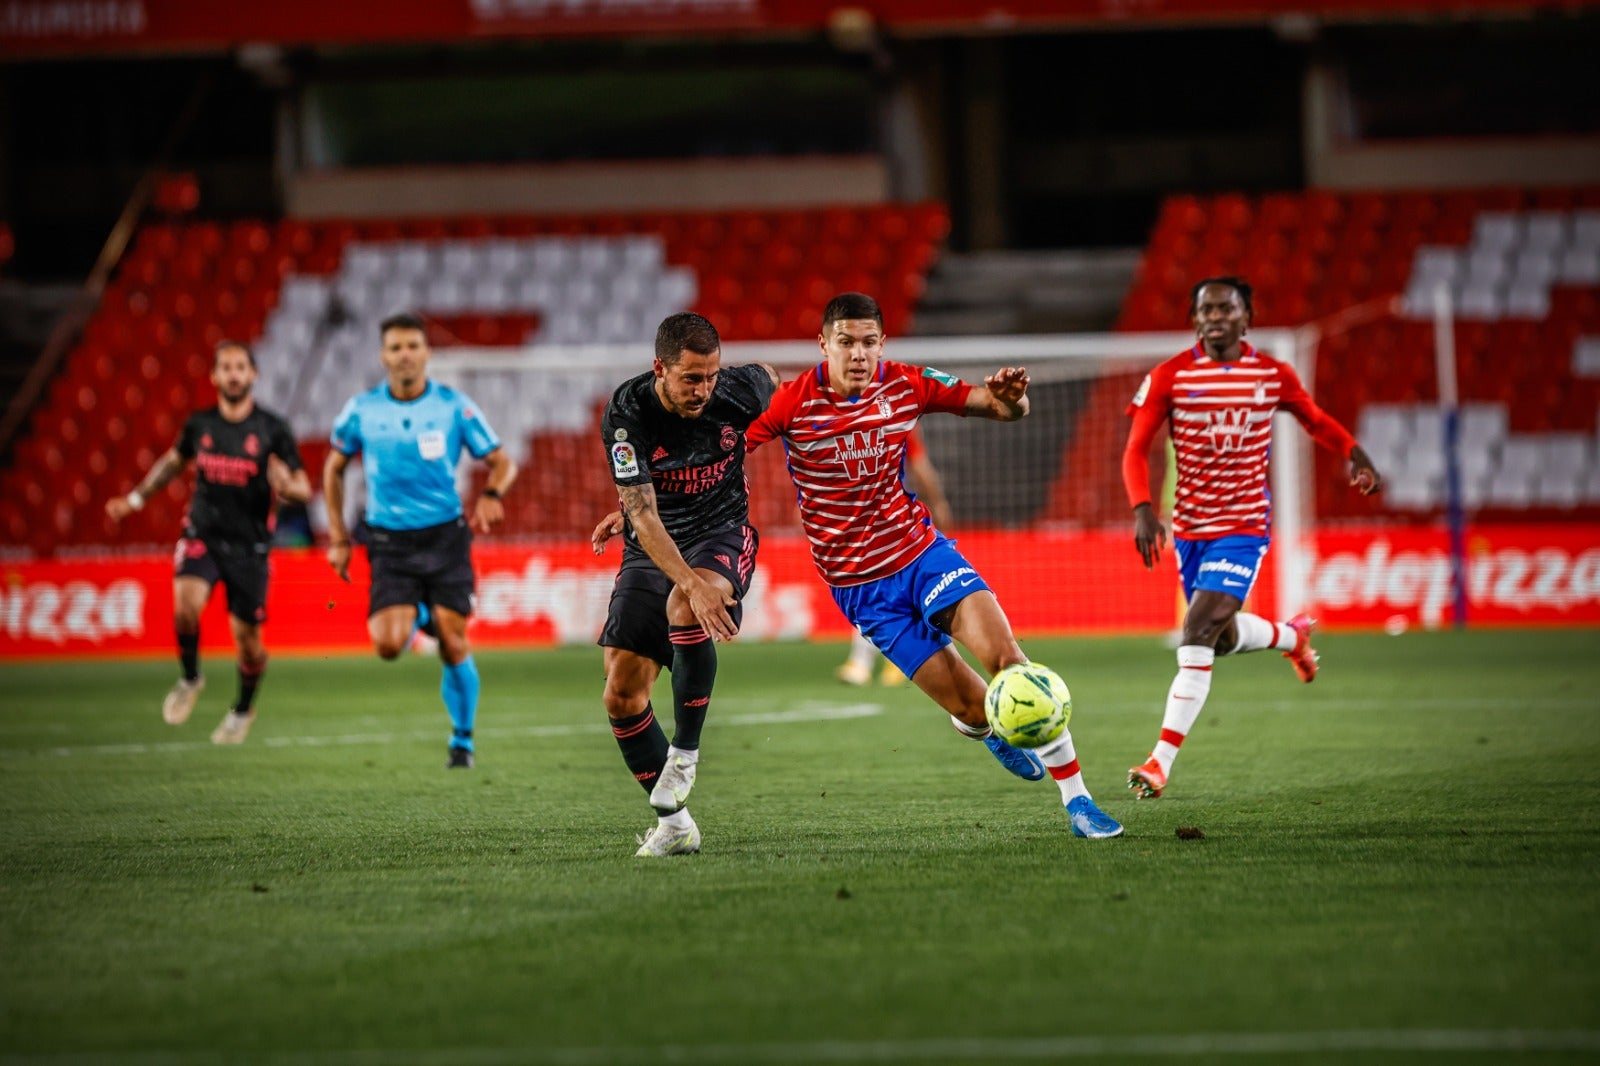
309	297
1523	270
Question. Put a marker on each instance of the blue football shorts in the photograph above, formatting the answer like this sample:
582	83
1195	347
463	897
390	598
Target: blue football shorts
893	612
1228	564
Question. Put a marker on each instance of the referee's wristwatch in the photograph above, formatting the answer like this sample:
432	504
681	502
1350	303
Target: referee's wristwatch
493	494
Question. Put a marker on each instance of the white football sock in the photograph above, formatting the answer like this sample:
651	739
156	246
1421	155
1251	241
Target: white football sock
1258	634
1255	633
1061	759
678	819
1185	700
675	752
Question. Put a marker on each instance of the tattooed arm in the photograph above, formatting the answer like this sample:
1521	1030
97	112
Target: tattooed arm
708	601
169	466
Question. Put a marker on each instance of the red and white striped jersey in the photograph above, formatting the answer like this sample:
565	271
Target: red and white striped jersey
847	458
1220	417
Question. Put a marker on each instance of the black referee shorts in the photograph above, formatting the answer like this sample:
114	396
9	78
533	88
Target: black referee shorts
432	565
637	619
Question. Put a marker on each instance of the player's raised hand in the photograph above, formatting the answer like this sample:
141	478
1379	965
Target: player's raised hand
1008	384
1149	535
610	526
118	508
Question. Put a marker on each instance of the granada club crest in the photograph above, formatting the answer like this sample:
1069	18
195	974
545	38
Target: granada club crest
252	446
730	438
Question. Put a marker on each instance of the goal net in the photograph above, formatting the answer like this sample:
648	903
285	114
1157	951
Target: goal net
1038	506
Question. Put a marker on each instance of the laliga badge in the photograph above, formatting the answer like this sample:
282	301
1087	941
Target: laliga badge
1144	390
624	462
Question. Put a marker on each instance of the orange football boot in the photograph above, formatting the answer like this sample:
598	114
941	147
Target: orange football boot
1148	780
1304	656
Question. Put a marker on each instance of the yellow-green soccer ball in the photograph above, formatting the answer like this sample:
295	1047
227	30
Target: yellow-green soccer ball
1027	705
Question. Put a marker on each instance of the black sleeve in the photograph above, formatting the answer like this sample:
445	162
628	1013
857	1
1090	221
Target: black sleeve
752	391
285	447
624	440
187	436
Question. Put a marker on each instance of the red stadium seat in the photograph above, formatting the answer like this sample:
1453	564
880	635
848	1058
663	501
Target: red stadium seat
1350	248
145	357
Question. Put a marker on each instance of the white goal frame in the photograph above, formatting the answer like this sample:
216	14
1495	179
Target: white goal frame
600	368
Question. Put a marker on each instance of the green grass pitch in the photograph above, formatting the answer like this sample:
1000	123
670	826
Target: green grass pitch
1400	862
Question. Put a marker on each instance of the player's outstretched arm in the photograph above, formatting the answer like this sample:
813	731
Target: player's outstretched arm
707	601
333	495
1363	475
169	466
1003	396
489	511
1330	433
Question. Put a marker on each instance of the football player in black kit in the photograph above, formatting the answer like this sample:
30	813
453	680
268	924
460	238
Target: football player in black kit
674	438
244	453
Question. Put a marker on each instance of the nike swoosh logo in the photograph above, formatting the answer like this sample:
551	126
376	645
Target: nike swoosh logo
1232	584
820	426
967	582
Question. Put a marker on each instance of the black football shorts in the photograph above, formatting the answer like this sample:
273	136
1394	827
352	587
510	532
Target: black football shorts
637	619
240	566
431	565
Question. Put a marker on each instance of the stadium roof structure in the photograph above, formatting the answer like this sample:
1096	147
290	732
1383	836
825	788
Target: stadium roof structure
32	29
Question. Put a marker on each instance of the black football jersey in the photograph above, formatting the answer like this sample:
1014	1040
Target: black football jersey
695	464
232	501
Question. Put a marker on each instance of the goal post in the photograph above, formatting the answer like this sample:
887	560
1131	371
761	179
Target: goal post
1038	506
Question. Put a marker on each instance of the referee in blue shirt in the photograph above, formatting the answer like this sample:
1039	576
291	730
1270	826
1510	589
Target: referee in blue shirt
409	432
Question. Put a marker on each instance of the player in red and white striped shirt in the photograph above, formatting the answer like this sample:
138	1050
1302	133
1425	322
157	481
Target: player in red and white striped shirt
894	575
924	480
1217	399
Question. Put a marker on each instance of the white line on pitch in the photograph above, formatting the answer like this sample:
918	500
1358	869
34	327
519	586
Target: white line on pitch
1018	1049
804	712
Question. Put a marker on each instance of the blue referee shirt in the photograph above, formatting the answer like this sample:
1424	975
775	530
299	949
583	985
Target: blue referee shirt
409	450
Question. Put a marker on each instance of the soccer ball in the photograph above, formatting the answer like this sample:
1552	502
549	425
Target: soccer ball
1027	705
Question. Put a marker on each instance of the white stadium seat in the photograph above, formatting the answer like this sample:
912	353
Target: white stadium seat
1497	229
1546	230
1579	266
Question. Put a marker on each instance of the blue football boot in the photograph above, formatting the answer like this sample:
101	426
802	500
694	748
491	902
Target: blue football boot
1090	821
1020	761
